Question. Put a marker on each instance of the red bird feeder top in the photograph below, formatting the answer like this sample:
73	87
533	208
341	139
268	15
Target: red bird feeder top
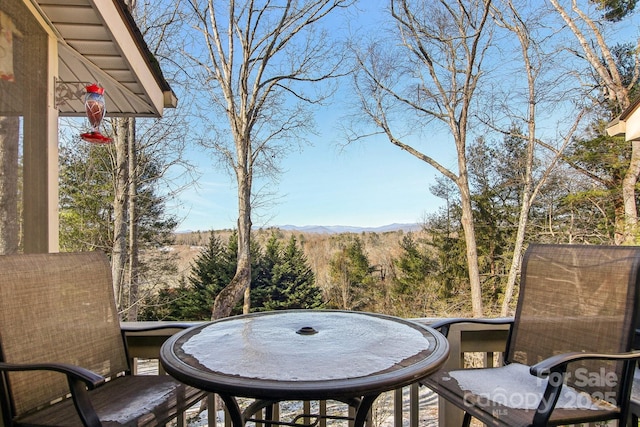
95	108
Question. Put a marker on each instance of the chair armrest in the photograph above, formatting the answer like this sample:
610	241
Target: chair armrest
79	379
91	379
444	325
558	364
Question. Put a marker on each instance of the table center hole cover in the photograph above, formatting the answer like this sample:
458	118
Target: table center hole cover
307	330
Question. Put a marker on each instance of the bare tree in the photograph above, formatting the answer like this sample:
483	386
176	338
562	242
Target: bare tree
120	167
443	43
124	133
534	61
141	142
134	253
595	50
258	59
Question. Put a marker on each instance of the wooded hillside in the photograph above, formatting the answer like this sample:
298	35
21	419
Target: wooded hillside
380	248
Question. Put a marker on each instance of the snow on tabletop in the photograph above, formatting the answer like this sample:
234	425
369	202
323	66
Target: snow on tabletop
346	345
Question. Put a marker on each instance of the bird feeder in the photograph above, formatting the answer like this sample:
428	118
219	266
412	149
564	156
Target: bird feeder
95	108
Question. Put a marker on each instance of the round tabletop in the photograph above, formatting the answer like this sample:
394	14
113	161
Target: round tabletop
304	354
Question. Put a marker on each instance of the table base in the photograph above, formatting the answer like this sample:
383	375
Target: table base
240	417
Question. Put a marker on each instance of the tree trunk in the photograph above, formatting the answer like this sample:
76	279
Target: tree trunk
131	165
119	252
471	245
233	292
132	313
629	197
9	221
516	260
246	306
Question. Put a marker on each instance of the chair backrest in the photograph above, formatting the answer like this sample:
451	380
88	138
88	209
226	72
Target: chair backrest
57	308
577	298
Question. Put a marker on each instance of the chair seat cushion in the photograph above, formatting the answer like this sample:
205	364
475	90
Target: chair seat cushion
139	400
514	386
496	412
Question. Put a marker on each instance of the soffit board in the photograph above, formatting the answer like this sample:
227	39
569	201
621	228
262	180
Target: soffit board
99	43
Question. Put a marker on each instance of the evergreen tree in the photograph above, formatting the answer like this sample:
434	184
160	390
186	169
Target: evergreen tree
351	273
498	176
451	274
292	281
281	279
445	228
588	212
211	271
415	293
86	199
257	272
191	301
155	225
413	267
263	288
594	204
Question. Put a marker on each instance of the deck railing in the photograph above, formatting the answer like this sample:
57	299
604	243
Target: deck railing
412	406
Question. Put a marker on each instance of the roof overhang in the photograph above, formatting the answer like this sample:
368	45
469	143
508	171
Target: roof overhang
627	124
99	42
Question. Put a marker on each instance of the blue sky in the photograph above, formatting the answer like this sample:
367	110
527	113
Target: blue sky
370	183
367	184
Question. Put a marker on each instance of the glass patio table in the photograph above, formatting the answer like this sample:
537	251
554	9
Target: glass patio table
293	355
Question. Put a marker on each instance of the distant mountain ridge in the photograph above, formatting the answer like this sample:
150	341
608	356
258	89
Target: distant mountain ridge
337	229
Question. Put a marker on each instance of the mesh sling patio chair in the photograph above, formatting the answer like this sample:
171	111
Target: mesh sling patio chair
568	358
59	335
